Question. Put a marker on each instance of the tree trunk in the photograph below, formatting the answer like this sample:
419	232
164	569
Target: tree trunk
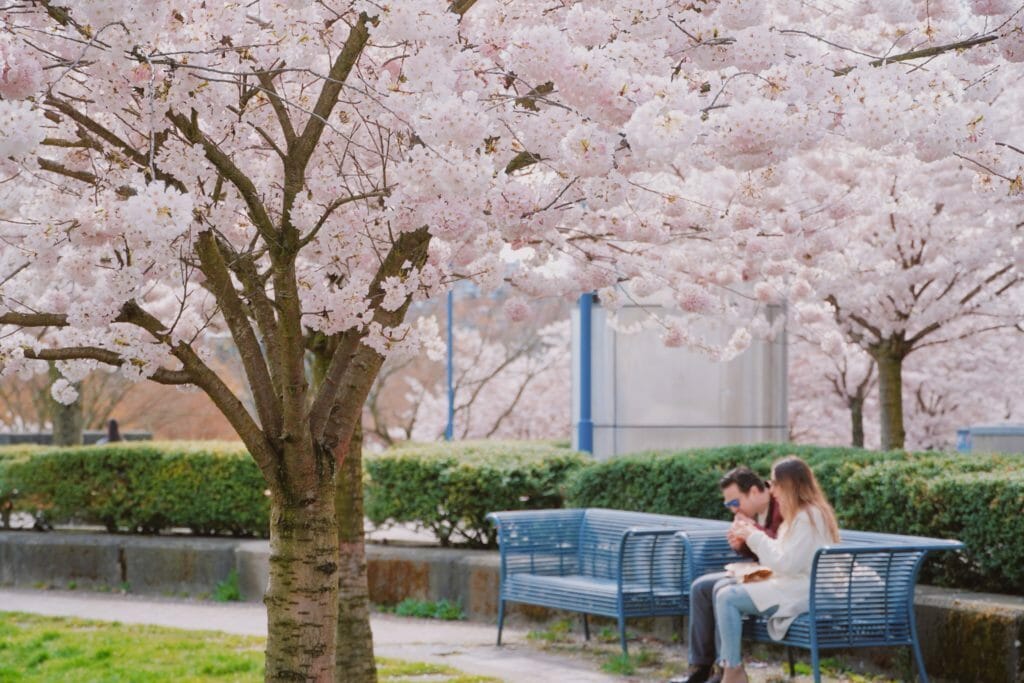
354	659
354	662
302	596
857	421
66	420
890	393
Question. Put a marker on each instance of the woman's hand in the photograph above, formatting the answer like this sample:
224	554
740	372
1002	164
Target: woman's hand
742	529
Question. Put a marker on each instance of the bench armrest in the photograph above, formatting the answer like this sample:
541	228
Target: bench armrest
651	558
708	551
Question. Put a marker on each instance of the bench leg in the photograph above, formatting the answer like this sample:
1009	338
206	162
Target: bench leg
586	626
501	618
622	634
792	664
921	673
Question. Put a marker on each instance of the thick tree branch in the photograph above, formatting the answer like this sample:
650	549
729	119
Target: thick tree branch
54	167
206	379
460	7
350	359
302	151
256	372
266	79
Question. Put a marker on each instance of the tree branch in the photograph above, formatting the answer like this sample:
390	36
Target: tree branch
220	284
161	376
342	67
266	79
925	52
110	138
354	365
227	168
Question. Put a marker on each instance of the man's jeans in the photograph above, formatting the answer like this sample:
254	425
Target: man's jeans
703	634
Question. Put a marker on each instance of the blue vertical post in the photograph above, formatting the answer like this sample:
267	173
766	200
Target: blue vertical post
449	429
585	428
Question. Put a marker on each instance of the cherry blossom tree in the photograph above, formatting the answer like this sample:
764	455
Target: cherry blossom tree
977	381
973	381
831	383
511	379
294	175
515	390
927	260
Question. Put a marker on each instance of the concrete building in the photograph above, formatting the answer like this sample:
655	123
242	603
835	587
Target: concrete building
646	396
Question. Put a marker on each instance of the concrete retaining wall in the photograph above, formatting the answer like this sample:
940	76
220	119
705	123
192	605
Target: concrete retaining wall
965	636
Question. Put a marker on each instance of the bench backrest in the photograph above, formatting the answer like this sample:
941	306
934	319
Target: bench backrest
660	557
543	542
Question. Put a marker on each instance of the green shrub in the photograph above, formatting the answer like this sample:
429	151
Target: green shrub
228	590
449	488
978	499
210	488
428	609
686	482
8	490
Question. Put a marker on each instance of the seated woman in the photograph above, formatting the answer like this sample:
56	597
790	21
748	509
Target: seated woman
808	524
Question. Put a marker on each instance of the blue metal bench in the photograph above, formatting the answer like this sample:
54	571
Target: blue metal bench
862	594
604	562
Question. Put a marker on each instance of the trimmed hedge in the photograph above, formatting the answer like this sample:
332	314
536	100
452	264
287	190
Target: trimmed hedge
449	488
977	499
8	491
686	482
210	488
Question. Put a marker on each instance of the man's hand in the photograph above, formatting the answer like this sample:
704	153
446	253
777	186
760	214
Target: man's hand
740	517
735	542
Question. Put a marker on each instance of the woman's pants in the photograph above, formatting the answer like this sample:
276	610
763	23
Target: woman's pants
731	603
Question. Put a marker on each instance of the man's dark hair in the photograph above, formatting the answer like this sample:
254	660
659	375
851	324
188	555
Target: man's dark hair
744	478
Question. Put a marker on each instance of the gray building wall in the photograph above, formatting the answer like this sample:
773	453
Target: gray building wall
647	396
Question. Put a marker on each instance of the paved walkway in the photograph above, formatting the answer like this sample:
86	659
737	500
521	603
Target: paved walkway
463	645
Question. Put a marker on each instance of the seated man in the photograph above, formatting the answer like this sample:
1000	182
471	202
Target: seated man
746	495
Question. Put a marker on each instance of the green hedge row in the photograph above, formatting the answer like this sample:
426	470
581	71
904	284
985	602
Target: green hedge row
449	488
8	491
210	488
977	499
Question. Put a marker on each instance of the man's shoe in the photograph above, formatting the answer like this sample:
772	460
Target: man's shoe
698	674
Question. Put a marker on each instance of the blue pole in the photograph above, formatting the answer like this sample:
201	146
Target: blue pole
449	429
585	428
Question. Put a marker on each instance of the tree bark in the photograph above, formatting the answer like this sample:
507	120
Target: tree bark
354	661
66	420
857	422
302	596
889	355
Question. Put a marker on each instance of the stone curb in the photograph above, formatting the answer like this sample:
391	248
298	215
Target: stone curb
965	636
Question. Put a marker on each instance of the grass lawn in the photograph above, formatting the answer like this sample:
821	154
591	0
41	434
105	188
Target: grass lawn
35	649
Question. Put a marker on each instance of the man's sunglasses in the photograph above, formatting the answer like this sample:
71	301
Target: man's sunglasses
733	504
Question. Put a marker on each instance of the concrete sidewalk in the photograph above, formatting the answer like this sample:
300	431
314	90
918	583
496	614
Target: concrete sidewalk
466	646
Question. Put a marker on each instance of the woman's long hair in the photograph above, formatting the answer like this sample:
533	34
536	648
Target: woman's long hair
799	490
